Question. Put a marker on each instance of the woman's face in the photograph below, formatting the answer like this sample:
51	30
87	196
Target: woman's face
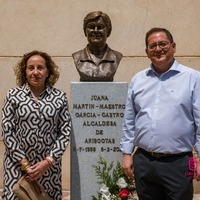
96	32
36	72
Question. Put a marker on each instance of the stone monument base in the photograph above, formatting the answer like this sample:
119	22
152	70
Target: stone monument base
97	110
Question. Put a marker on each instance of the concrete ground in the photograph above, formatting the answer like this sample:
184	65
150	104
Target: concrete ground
196	197
66	195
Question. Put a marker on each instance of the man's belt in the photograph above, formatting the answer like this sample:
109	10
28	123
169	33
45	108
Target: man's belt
162	155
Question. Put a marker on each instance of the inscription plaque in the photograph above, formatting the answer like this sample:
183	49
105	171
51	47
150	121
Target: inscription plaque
97	110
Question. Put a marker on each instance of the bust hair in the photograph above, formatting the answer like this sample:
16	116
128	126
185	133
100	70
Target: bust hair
95	15
20	68
156	30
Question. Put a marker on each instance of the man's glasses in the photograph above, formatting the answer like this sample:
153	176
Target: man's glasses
162	44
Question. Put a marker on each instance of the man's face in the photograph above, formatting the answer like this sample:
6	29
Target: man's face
96	32
160	50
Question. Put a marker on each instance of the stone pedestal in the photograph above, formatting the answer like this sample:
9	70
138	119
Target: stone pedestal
97	110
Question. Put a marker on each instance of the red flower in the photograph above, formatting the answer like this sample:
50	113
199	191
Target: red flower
124	193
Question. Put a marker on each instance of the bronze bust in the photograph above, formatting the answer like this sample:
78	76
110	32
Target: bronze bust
97	61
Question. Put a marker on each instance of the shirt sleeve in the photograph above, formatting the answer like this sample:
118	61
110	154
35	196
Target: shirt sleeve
196	112
12	145
128	126
64	131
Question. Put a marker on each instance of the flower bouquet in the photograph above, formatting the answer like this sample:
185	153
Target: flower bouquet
114	185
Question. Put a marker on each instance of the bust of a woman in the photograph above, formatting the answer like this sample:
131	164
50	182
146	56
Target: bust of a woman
97	61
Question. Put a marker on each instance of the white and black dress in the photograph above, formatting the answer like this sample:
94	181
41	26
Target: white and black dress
35	130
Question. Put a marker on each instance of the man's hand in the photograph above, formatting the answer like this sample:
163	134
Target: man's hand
197	175
127	165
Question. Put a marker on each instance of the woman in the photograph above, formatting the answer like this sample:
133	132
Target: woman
36	126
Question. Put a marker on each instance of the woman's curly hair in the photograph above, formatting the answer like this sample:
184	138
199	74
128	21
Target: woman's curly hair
20	68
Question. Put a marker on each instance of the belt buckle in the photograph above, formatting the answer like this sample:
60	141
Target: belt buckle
155	155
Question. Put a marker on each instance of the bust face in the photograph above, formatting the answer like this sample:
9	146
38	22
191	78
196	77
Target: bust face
96	32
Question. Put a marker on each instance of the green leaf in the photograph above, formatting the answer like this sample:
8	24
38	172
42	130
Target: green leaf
109	174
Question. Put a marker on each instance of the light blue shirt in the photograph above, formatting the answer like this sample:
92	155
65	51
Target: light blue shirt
163	111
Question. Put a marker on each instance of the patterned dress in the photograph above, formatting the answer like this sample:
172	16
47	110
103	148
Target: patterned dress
35	130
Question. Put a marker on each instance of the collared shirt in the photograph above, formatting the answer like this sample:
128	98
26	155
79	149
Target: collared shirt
163	111
103	70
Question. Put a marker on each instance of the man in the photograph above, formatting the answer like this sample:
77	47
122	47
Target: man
97	62
162	119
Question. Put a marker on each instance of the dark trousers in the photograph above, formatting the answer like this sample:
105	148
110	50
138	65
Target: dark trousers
164	178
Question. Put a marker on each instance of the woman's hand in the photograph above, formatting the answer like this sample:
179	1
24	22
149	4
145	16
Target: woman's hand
34	172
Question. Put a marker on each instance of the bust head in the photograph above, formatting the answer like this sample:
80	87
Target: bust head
93	16
97	62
